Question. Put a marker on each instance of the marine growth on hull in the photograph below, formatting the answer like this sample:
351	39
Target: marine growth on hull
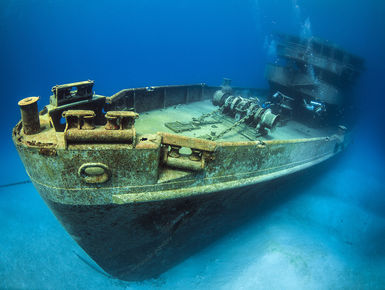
130	175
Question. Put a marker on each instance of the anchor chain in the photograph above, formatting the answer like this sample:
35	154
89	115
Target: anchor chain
239	122
205	116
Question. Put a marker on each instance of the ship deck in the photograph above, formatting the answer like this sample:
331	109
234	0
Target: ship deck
155	121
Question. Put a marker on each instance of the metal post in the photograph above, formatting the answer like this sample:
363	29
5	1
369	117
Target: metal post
30	115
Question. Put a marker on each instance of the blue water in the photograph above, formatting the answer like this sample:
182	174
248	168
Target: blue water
329	235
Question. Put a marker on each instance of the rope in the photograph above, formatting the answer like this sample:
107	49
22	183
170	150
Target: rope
15	183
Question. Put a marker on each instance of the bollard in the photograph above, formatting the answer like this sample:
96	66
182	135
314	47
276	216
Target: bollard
30	115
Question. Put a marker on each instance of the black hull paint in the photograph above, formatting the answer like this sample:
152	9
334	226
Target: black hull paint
139	241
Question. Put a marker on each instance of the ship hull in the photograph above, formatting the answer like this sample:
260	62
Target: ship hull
139	204
139	241
136	230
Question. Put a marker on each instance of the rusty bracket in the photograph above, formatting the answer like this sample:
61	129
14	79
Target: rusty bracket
80	127
79	119
189	142
201	151
120	120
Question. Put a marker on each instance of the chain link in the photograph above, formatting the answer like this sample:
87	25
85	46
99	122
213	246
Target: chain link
205	116
230	128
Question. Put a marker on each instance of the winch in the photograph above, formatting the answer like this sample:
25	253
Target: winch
245	110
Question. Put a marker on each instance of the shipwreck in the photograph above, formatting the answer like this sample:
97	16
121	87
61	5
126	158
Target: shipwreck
146	177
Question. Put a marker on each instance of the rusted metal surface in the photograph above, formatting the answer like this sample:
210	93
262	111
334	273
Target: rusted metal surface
120	120
48	151
249	111
183	141
100	136
29	115
94	173
65	94
135	170
136	241
79	119
118	129
215	162
132	200
95	104
201	152
184	163
155	97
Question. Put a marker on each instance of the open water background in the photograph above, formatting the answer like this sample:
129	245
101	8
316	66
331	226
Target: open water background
329	234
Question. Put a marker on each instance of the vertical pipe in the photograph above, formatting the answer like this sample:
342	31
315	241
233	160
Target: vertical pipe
30	115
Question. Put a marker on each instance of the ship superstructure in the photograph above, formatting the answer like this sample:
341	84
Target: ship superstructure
313	78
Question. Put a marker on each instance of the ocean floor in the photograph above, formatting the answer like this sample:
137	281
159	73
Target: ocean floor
329	235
